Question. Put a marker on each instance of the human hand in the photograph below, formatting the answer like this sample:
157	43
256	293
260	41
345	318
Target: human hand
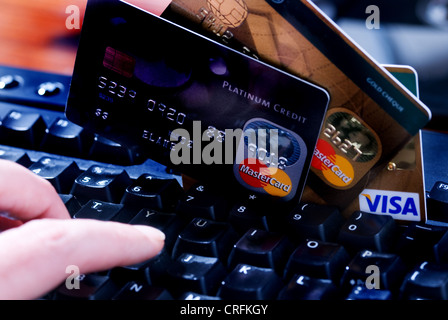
41	240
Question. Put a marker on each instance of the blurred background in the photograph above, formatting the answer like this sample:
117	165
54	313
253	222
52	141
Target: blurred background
412	32
33	35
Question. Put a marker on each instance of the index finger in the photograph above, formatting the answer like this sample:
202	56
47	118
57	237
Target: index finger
36	255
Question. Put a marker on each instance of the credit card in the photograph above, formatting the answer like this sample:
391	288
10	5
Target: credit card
371	116
399	189
193	104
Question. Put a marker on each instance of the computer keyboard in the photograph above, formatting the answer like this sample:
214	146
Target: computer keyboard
218	246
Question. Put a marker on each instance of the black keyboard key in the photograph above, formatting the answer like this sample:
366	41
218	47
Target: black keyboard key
437	202
244	217
206	238
262	249
311	221
107	151
15	155
195	273
151	271
427	281
170	224
9	81
252	211
142	291
421	242
99	210
318	259
200	297
152	193
202	201
66	138
101	183
247	282
362	293
306	288
20	129
60	173
90	287
49	89
71	203
366	231
388	273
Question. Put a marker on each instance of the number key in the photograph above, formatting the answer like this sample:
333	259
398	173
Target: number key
311	221
60	173
201	201
101	183
152	193
252	211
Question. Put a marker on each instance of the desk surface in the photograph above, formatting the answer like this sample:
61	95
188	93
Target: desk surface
33	34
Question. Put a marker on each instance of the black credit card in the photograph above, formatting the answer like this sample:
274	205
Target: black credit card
191	103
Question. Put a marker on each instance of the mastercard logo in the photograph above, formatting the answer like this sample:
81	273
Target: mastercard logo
272	180
336	169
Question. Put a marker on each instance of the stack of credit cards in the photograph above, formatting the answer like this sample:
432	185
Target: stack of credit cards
371	115
310	114
189	102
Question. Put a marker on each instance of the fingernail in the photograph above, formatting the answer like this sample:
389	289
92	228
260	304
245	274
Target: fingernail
153	233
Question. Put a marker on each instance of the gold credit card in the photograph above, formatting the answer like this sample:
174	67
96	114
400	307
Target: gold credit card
399	189
371	115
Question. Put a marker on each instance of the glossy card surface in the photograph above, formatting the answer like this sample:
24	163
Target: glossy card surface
371	116
188	102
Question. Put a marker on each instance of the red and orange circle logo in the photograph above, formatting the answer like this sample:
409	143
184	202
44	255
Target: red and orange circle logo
336	169
272	179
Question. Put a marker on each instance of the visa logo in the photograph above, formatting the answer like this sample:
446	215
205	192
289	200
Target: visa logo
399	205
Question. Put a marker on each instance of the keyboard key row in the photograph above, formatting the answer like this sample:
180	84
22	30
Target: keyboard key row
215	244
105	183
193	277
225	238
30	131
112	192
